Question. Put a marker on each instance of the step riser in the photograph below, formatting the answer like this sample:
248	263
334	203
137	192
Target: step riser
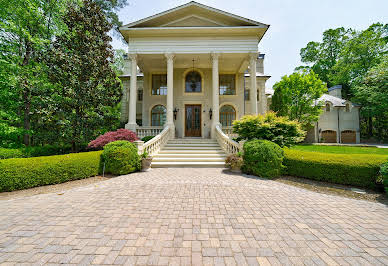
203	160
188	165
206	152
191	155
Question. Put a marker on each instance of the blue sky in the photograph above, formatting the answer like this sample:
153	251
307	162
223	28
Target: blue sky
293	23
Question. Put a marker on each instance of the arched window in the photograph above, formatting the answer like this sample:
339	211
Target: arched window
347	108
158	115
193	82
227	115
328	107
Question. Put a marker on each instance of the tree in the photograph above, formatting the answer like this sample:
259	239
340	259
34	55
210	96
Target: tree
372	94
26	30
80	66
110	9
296	96
362	51
321	57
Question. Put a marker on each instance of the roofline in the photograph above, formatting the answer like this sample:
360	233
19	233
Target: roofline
195	28
189	4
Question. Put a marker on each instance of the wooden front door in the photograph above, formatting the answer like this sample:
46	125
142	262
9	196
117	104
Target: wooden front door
193	120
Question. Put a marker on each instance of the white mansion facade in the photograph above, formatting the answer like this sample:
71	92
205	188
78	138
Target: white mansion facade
192	69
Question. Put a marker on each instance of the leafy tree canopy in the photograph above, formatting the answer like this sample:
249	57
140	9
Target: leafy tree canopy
296	96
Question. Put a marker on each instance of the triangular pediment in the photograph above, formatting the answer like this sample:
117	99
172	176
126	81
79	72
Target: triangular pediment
193	14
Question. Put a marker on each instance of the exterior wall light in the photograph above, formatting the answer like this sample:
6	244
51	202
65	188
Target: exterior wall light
175	112
210	113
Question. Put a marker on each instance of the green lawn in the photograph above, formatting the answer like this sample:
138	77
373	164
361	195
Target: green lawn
340	149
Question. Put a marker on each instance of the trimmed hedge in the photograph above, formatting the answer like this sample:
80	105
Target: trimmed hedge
22	173
147	138
347	169
11	153
262	158
384	174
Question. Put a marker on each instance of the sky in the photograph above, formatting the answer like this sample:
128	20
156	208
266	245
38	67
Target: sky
293	23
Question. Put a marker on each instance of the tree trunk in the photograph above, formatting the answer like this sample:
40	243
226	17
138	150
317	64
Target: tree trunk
370	127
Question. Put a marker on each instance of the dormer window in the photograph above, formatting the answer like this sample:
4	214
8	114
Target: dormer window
347	107
328	107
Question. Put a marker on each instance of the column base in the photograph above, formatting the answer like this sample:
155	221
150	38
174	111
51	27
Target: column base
172	130
131	126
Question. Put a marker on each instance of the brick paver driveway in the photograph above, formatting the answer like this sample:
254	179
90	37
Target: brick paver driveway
192	216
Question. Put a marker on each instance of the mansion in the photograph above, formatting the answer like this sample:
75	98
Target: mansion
193	69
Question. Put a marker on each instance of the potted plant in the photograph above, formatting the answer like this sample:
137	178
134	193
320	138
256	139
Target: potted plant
234	162
146	162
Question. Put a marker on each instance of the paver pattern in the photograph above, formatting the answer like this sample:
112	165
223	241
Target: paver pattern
192	216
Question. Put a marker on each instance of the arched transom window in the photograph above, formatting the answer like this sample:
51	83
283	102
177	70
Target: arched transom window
158	115
193	82
327	107
227	115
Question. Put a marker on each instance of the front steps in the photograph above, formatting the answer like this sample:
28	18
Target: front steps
190	153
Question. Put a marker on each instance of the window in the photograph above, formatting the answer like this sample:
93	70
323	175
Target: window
347	108
328	107
227	85
159	84
140	95
227	115
193	82
158	115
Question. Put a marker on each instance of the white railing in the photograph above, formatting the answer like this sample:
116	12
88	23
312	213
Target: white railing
227	144
229	132
141	132
154	145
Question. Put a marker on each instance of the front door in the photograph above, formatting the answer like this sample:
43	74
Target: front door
193	120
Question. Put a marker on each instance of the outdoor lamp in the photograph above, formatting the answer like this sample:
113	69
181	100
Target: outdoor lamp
210	113
175	112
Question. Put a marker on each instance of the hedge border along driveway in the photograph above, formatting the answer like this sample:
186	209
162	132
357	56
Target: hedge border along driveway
348	169
22	173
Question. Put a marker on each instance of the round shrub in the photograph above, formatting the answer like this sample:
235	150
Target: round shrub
147	138
120	134
384	173
120	158
262	158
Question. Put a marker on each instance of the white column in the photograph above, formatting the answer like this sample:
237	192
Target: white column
132	95
253	97
216	93
170	92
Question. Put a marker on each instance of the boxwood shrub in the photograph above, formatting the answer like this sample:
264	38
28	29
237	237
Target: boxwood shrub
11	153
262	158
120	158
22	173
384	174
349	169
147	138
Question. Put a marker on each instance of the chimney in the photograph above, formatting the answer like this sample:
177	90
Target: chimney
335	91
260	63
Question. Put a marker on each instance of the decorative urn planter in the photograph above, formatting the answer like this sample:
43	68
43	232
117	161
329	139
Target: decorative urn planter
146	164
234	162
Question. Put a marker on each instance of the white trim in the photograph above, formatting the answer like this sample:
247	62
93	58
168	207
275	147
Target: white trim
192	3
193	16
192	28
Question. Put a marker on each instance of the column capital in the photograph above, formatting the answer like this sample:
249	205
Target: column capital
253	56
132	56
215	55
169	56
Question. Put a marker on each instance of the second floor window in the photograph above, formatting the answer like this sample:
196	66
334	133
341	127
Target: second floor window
227	84
140	95
159	84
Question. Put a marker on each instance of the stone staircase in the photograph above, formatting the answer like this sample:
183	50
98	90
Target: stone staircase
190	152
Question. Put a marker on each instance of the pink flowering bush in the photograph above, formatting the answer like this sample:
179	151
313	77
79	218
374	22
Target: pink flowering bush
120	134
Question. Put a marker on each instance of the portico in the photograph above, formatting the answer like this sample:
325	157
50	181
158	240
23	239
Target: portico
192	68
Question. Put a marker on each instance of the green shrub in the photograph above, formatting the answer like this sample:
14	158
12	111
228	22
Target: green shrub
22	173
46	150
262	158
120	158
270	127
147	138
384	174
11	153
348	169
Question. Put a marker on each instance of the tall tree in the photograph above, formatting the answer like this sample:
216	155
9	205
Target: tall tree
321	57
80	65
372	94
297	96
26	30
110	9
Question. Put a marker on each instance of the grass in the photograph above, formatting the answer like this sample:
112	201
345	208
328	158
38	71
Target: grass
340	149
